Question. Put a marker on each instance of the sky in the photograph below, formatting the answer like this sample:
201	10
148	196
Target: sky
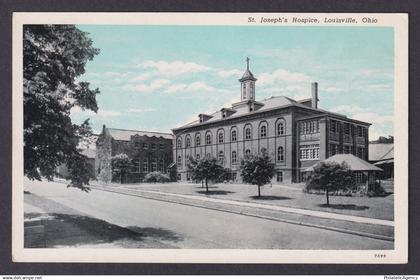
160	77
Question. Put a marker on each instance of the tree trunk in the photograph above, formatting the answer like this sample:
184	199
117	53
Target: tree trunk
202	183
207	186
328	199
259	191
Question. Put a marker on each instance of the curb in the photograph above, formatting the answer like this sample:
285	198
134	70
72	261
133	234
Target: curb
353	232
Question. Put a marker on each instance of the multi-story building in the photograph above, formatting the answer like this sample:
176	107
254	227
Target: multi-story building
148	152
296	134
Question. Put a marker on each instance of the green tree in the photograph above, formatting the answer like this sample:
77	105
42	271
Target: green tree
121	165
257	170
54	56
331	176
206	169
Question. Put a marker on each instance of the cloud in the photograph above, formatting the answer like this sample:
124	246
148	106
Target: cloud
140	110
195	86
281	75
364	114
174	68
103	114
348	109
229	73
153	85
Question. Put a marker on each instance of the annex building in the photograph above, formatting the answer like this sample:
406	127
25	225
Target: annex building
296	134
148	152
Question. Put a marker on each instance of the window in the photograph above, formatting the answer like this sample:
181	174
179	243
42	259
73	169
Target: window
208	139
136	144
197	140
347	149
248	133
251	91
280	128
209	155
309	127
244	91
154	165
160	166
160	146
263	131
179	143
221	156
333	149
333	126
346	128
233	136
136	165
178	176
248	152
279	176
145	146
145	165
188	142
221	138
309	152
263	150
361	152
179	161
234	159
197	156
153	146
280	154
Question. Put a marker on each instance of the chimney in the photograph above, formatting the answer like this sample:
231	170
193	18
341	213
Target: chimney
315	95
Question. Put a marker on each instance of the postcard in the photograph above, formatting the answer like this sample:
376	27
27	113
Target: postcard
210	137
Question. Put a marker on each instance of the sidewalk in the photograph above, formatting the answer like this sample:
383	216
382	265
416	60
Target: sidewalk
370	227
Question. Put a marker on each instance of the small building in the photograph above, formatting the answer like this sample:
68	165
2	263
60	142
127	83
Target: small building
88	149
148	152
382	156
366	173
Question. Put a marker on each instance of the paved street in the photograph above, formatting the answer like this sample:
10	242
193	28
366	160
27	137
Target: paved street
184	226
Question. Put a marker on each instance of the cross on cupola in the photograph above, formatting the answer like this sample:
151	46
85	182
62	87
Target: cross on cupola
247	84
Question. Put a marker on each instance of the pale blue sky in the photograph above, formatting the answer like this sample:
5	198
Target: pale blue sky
160	77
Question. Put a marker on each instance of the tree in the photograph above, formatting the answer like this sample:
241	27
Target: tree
121	165
53	57
156	177
206	169
257	170
331	176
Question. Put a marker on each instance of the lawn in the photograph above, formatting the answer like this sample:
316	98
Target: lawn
285	195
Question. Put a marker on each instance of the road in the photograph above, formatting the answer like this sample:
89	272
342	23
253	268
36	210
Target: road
185	226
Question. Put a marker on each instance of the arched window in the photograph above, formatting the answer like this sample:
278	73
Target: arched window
247	133
197	156
248	152
179	143
221	137
197	140
263	150
221	156
233	136
280	128
234	158
208	139
188	142
208	155
179	161
263	131
154	165
280	154
145	165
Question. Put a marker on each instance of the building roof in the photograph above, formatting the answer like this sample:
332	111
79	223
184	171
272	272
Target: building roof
126	134
271	103
381	151
247	76
354	163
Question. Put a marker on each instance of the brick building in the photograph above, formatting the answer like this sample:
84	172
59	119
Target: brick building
148	151
296	134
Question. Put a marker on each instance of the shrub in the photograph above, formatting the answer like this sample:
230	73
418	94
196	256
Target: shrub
331	177
156	177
